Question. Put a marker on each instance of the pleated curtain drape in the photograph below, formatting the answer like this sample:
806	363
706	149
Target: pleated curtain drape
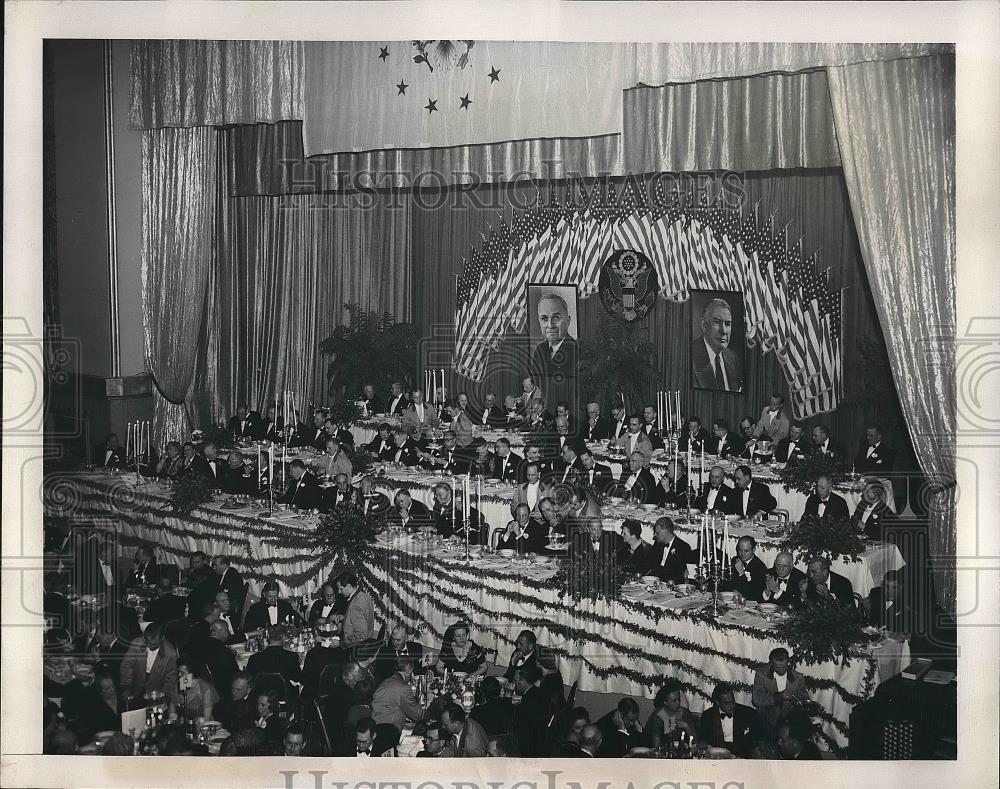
179	181
896	126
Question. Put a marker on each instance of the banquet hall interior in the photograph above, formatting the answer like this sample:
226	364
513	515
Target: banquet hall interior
423	398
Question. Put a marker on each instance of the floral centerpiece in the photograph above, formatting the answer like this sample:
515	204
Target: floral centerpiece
823	630
347	536
802	474
823	536
583	575
189	491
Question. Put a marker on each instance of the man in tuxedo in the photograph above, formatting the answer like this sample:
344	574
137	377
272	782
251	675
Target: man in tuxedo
619	422
563	436
372	404
748	571
215	469
620	729
638	482
604	544
824	585
144	571
397	400
596	428
244	425
554	359
723	443
371	501
670	554
303	489
111	454
824	445
419	416
729	725
325	607
192	463
774	423
874	457
230	582
269	427
229	616
567	469
508	462
674	486
491	415
533	454
781	582
539	419
888	607
409	514
532	490
359	616
275	659
651	428
237	710
382	447
271	610
316	435
405	450
563	410
524	654
750	496
400	645
695	437
714	364
166	606
341	494
234	480
824	502
635	440
322	655
872	513
217	656
530	719
718	495
635	555
523	534
595	476
513	418
448	458
793	448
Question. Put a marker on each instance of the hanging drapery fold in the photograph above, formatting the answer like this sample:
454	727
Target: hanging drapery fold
212	83
896	126
179	181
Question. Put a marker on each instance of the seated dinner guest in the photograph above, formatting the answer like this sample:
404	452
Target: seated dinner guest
326	606
669	717
793	448
275	659
674	487
418	416
214	470
508	462
594	476
468	739
695	437
371	501
635	440
795	740
370	401
774	423
406	451
484	463
750	497
198	697
532	490
341	494
824	502
269	428
620	729
171	463
777	689
409	514
781	582
238	478
723	443
460	653
619	422
359	616
823	585
316	435
637	482
596	428
271	610
635	556
872	513
523	534
669	555
824	445
873	457
717	497
166	606
272	726
335	461
150	665
448	458
538	419
524	654
748	571
888	607
651	428
303	490
382	447
238	710
111	455
400	645
453	520
491	415
729	725
245	423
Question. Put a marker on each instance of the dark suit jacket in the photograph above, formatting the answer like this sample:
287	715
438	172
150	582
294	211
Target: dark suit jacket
406	454
374	406
615	743
530	724
317	659
385	660
257	615
602	478
116	460
834	450
221	662
898	618
654	435
745	730
723	499
496	717
836	506
880	463
803	448
760	500
675	495
382	449
249	428
235	715
645	490
165	609
268	431
730	445
599	431
696	442
233	480
752	587
316	609
791	593
839	586
509	471
304	492
637	561
704	374
275	660
617	429
534	540
419	516
874	527
232	583
495	416
673	566
333	497
216	478
556	375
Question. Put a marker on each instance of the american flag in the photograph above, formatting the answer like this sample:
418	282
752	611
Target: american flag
790	309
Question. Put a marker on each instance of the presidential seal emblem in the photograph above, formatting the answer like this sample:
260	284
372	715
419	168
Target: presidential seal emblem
628	285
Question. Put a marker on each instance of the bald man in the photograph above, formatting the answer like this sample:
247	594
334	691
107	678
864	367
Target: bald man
553	362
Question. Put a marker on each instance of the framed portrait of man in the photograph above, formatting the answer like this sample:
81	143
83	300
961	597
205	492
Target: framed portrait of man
553	330
718	340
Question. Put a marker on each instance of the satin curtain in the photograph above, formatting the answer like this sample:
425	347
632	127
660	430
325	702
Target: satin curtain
760	123
287	267
179	180
206	83
896	126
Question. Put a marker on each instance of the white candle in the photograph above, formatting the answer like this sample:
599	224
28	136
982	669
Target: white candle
680	422
444	392
260	468
149	439
128	440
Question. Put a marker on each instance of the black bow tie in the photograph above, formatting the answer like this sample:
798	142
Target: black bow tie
272	605
723	716
366	752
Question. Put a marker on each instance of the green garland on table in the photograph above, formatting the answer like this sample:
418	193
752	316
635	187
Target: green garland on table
189	491
824	630
583	575
343	412
823	536
802	474
348	534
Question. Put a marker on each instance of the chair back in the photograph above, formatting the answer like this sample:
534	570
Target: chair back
171	571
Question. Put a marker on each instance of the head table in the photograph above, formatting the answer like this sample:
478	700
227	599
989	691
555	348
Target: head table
629	645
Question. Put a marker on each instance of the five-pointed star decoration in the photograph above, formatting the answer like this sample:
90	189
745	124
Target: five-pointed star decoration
495	74
466	101
431	106
401	87
383	53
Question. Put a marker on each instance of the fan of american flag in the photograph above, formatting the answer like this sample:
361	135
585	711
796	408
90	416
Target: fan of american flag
567	236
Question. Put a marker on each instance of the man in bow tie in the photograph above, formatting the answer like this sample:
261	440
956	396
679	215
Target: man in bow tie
409	514
619	422
244	424
523	654
824	502
231	582
718	496
781	582
874	457
508	462
382	446
400	645
342	494
794	447
872	513
774	422
491	415
638	482
269	428
750	497
670	554
597	427
729	725
723	443
695	437
111	455
271	610
523	534
635	440
593	475
823	585
303	489
397	400
824	445
275	659
215	469
748	571
651	428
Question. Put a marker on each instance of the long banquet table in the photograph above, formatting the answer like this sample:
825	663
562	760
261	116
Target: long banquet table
622	646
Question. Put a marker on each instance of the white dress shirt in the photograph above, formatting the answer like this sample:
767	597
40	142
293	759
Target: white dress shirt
532	494
821	508
712	493
272	614
722	364
727	727
780	680
151	658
